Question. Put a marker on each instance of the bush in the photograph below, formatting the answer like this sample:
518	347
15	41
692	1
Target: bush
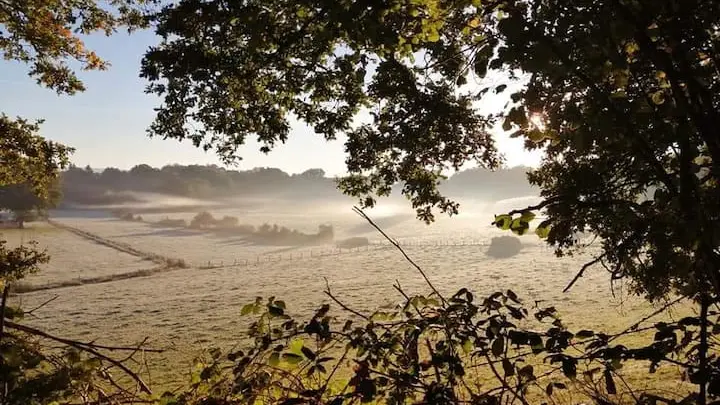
203	219
503	247
352	243
172	223
227	222
127	216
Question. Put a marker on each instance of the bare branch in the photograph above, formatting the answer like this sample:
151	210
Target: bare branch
397	246
582	271
86	348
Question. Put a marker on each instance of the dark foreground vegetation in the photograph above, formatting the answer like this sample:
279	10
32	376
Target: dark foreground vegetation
623	98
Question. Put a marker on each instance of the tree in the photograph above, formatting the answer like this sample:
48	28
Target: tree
48	35
241	69
624	103
25	205
623	96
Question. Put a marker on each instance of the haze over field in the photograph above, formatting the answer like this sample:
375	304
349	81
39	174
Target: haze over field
105	260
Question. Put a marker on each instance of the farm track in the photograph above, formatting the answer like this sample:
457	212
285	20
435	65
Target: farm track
165	264
23	288
122	247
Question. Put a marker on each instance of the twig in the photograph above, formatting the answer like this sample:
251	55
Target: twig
397	246
337	301
503	381
84	347
582	271
536	207
42	305
2	309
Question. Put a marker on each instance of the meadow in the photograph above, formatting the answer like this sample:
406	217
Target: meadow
186	310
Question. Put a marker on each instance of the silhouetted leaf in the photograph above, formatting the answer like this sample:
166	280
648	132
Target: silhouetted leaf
308	353
498	346
609	382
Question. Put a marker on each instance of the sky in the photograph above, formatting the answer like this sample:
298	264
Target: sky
106	124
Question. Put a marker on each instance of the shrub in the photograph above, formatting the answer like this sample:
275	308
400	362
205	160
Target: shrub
203	219
503	247
227	222
351	243
172	223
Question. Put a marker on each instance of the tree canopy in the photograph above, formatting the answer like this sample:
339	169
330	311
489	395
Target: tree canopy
622	95
48	35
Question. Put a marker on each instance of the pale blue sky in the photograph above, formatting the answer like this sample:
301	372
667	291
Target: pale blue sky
106	124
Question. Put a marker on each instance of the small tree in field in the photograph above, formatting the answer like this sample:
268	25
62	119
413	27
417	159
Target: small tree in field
24	204
202	220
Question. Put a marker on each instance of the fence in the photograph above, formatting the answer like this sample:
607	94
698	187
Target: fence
320	252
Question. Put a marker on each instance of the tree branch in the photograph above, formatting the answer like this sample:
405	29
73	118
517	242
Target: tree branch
397	246
86	347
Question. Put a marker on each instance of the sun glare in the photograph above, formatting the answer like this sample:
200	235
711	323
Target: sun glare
537	120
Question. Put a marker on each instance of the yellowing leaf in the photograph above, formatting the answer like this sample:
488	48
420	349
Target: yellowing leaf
542	232
503	221
658	97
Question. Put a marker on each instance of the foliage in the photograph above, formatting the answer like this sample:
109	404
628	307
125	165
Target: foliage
432	350
202	220
29	159
114	186
25	205
48	35
229	71
622	95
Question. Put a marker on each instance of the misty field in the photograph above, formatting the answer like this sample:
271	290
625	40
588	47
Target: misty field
198	307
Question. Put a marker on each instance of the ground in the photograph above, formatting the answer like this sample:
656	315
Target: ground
186	310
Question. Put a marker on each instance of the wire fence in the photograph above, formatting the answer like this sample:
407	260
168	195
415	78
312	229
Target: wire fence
330	251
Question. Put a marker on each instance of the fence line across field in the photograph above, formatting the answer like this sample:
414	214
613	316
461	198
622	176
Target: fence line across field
320	252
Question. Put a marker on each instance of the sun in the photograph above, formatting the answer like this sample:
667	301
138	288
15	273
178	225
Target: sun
537	120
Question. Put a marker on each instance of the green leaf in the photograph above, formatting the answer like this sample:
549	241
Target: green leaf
246	309
569	367
507	124
508	368
296	346
275	310
519	226
274	359
467	346
527	373
658	97
503	221
292	358
527	216
609	382
585	334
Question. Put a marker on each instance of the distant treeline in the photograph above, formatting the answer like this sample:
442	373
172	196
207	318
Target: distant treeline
115	186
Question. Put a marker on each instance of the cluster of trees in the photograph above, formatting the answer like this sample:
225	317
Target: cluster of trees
113	186
265	233
623	97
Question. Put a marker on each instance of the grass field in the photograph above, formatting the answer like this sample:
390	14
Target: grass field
194	308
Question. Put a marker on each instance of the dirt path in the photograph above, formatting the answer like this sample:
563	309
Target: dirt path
122	247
